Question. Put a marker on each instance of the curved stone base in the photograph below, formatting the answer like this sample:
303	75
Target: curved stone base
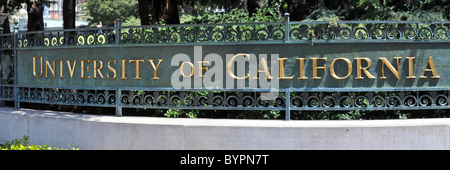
110	132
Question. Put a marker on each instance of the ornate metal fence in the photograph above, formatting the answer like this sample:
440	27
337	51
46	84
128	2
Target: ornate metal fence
413	80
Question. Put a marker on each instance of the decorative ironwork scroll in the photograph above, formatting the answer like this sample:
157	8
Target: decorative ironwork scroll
234	100
304	31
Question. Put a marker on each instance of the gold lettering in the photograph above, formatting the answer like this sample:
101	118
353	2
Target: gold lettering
349	68
182	71
97	70
155	68
302	68
265	70
71	68
230	64
201	68
61	74
112	69
411	67
384	61
123	70
315	68
137	77
34	67
52	69
84	68
281	62
359	68
432	69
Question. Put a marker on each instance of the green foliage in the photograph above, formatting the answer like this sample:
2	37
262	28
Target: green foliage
236	15
14	5
271	114
17	142
182	113
23	144
322	14
351	115
195	12
109	10
264	114
368	114
418	15
131	21
417	10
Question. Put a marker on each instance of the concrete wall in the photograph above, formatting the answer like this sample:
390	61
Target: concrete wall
110	132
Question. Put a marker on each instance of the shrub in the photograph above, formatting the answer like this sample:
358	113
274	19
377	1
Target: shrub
23	144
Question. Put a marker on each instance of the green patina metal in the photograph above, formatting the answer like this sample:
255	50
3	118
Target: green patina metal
292	51
310	61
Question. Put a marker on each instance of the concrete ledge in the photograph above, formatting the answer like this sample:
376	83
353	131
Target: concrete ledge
110	132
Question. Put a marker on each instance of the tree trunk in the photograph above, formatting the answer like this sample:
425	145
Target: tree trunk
4	9
6	27
251	7
35	15
156	10
69	14
165	10
172	12
144	12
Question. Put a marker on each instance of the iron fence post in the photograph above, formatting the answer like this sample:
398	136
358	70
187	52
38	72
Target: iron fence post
286	27
118	107
16	91
287	104
117	31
